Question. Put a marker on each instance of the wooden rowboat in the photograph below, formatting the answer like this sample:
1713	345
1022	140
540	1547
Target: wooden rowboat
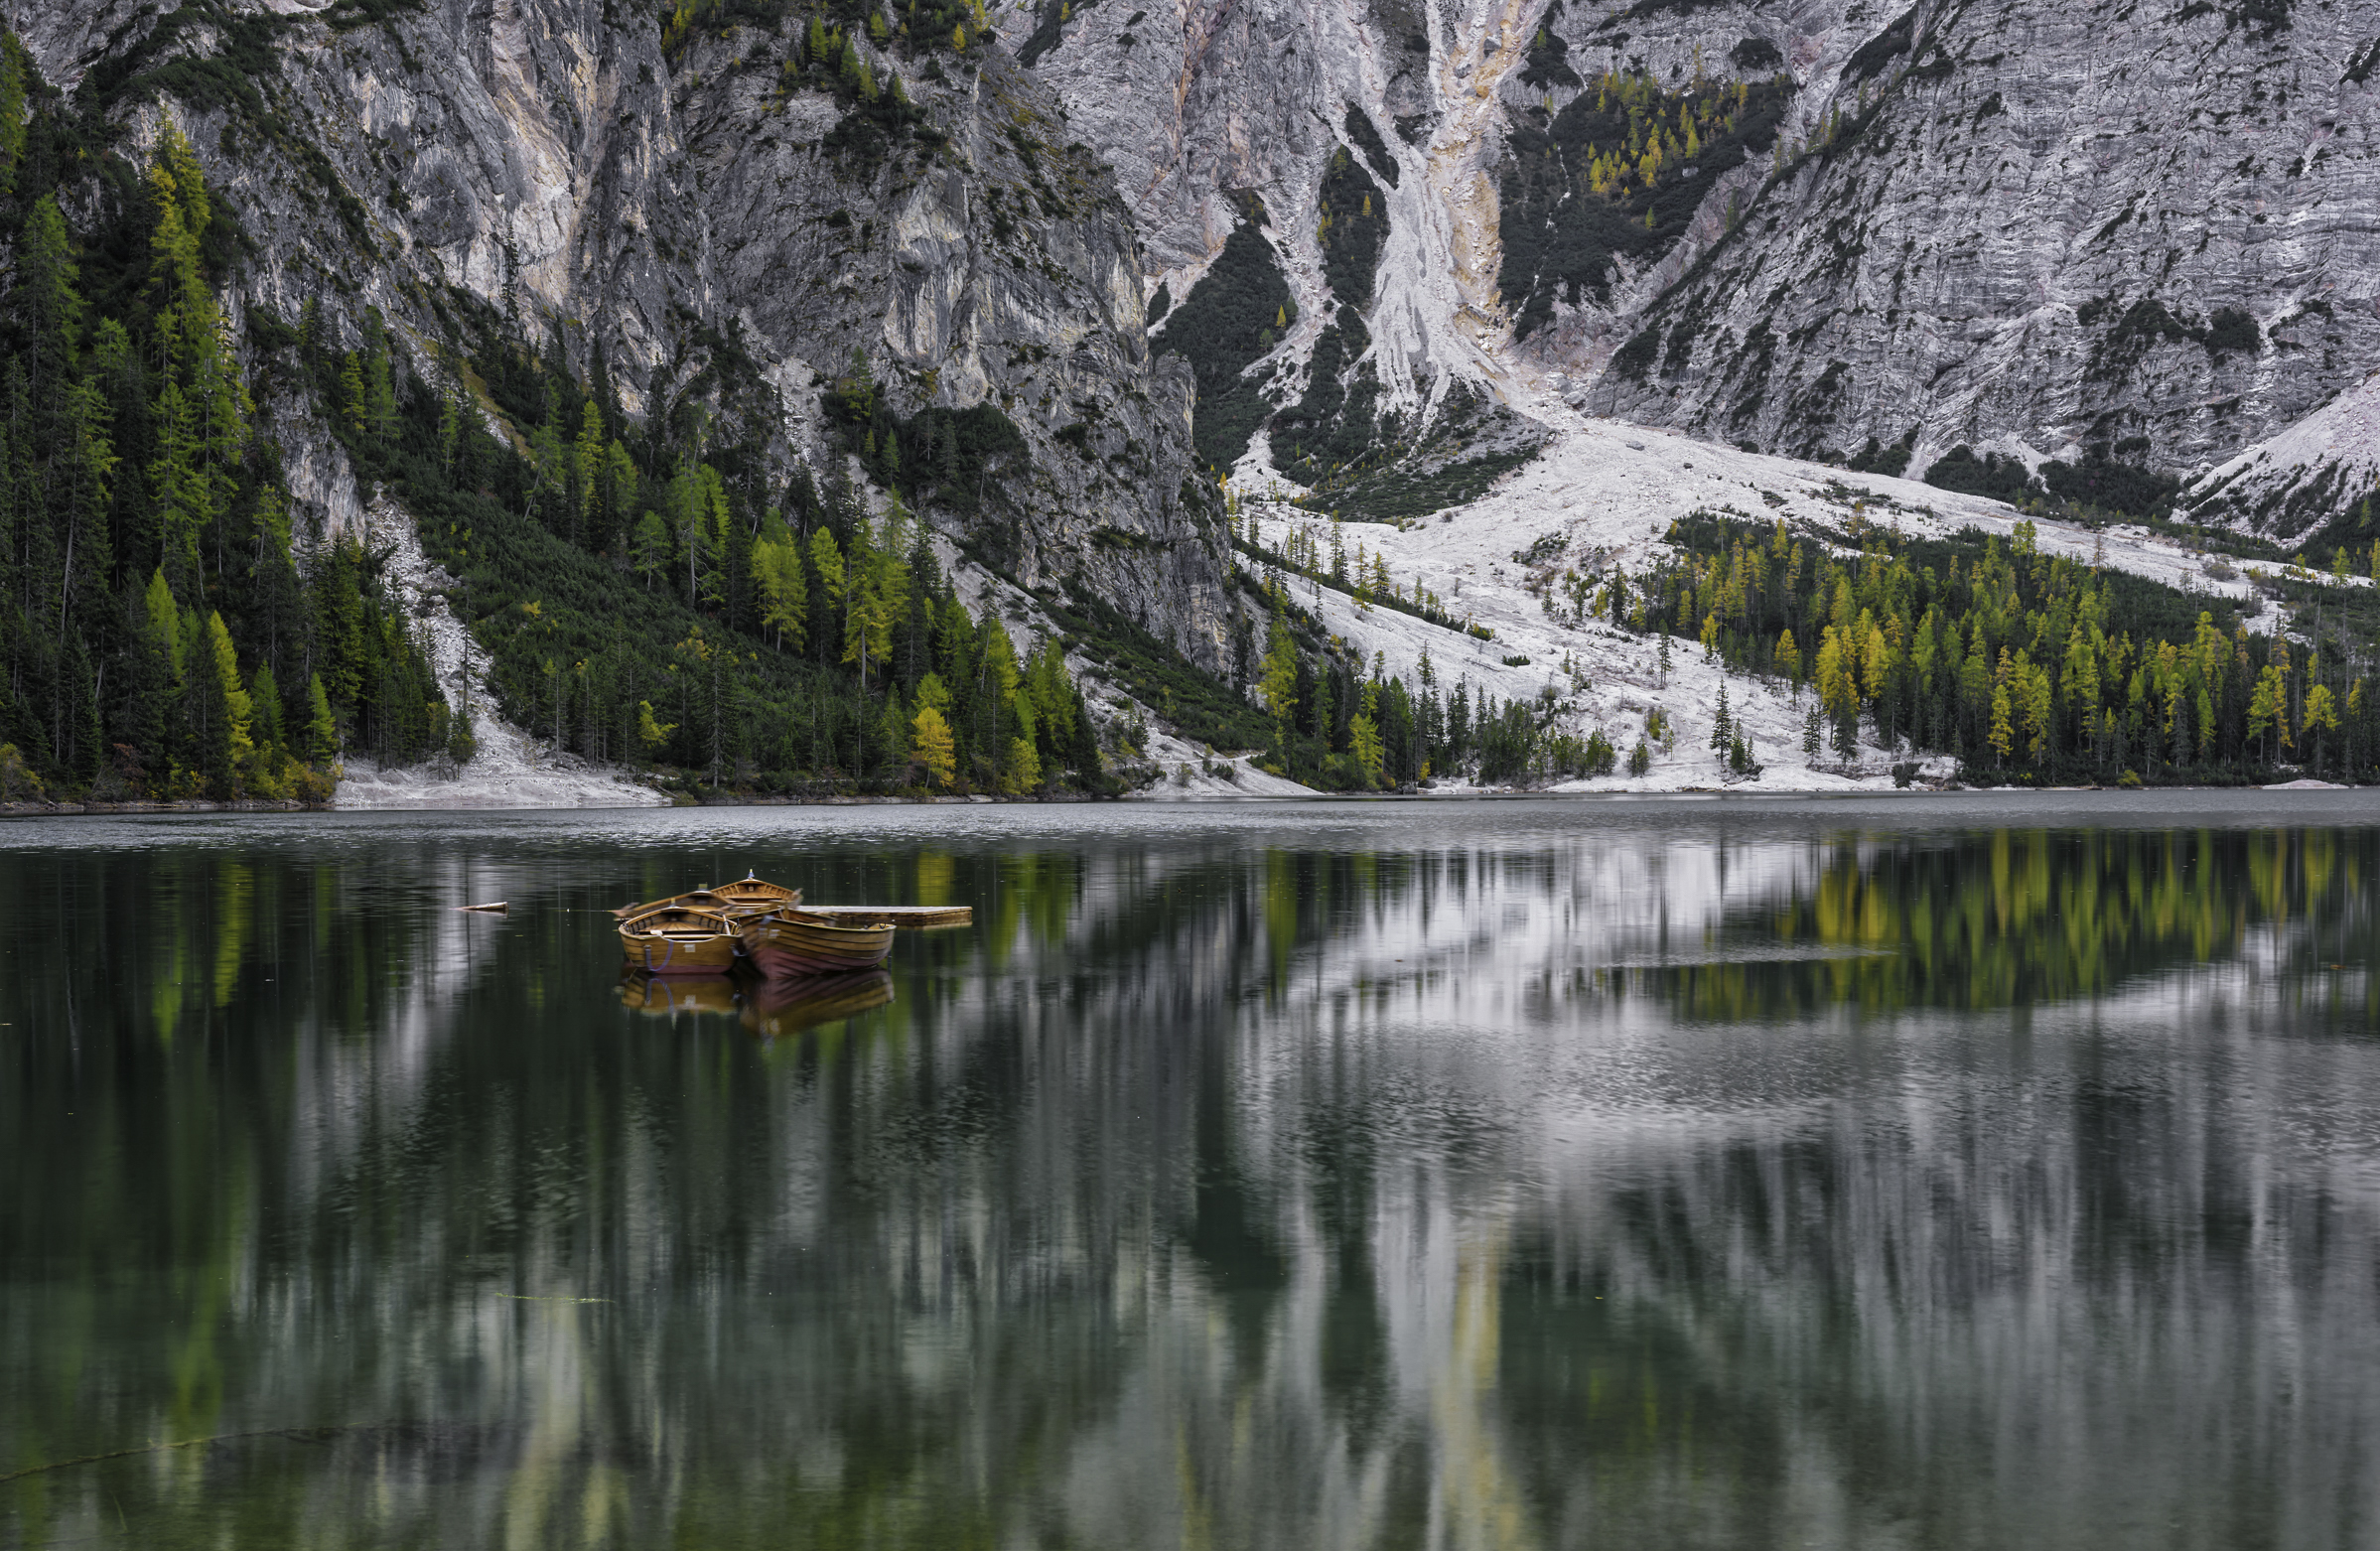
747	896
793	942
679	942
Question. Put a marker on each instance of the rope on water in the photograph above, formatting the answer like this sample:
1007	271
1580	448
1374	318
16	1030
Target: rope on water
301	1434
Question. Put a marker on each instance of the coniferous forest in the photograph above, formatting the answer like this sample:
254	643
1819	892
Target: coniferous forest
647	594
161	638
2030	667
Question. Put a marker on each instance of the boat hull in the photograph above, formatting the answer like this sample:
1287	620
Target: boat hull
781	948
679	942
668	956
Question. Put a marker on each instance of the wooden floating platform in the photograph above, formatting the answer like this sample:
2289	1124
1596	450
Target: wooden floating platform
908	917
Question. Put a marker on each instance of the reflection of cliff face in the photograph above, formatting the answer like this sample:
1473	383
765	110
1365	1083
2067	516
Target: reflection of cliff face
1253	1193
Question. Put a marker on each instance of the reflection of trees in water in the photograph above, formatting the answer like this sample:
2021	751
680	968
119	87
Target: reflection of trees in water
1169	1204
2026	917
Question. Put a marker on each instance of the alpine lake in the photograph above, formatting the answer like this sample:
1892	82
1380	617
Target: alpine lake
1955	1171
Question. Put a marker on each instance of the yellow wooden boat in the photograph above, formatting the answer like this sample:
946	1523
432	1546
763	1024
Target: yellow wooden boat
676	940
789	942
747	896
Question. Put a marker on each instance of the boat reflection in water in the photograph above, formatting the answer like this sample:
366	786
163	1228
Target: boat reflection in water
666	996
784	1007
771	1009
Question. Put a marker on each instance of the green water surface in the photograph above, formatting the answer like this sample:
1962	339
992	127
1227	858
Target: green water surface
1972	1171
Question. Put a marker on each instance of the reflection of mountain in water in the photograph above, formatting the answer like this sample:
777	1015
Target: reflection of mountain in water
1650	1186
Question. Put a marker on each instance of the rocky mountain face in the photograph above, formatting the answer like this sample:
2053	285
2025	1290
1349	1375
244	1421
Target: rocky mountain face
660	201
2128	242
2124	241
1359	141
2091	232
1386	250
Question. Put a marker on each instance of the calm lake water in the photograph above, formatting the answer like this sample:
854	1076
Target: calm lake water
1993	1170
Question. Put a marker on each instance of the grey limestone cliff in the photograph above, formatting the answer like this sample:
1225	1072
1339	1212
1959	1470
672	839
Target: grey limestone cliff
720	241
2135	238
2052	228
2132	239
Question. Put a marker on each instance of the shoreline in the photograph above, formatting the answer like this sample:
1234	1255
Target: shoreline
1208	800
160	806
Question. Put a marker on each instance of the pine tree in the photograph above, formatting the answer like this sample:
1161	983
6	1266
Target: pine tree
1363	735
1023	772
619	491
933	743
1277	686
785	594
2003	733
339	629
379	381
650	547
449	430
587	472
351	395
826	565
264	695
231	745
2268	708
2319	716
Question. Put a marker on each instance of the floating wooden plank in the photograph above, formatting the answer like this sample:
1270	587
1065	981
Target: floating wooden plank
909	918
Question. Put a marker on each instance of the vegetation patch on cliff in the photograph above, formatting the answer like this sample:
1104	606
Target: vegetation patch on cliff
2103	483
1334	424
674	604
1366	137
1230	320
1353	226
1618	172
1991	475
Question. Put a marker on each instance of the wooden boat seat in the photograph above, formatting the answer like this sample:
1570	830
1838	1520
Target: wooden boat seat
681	921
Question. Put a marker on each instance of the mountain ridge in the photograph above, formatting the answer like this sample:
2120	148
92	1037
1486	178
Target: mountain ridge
646	304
